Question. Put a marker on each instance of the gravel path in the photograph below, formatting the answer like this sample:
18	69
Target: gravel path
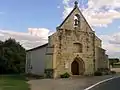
74	83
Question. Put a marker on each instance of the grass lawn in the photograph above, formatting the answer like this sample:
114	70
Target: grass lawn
13	82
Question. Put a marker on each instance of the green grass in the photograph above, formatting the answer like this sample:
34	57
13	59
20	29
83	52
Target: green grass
13	82
116	66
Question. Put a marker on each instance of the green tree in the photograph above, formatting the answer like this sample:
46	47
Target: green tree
12	56
113	61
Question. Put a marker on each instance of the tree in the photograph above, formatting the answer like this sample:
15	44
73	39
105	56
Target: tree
12	56
113	60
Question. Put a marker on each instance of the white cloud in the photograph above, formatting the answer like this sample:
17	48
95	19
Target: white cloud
109	3
40	32
34	37
111	43
101	18
1	34
67	8
66	2
95	14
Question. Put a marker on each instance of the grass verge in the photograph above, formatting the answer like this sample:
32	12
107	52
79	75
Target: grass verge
13	82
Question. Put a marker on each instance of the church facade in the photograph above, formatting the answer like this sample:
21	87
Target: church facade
73	48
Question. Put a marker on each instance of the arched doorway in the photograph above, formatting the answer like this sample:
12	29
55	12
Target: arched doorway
77	67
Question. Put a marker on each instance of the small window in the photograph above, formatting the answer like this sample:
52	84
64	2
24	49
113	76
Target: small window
77	48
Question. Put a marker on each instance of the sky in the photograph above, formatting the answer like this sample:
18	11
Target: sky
30	22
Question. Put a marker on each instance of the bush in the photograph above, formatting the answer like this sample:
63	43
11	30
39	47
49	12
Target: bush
104	71
98	73
65	75
113	72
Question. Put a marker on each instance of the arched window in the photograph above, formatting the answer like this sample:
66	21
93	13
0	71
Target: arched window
78	48
77	20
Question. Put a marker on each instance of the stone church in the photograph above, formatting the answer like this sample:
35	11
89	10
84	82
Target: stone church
73	48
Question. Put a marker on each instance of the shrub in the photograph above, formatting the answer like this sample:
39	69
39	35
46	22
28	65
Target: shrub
98	73
104	71
113	72
65	75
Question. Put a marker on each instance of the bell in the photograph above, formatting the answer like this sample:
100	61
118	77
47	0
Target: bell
76	22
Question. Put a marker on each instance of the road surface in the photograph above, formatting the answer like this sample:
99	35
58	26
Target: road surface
113	84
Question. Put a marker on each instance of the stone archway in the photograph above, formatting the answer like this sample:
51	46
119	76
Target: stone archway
75	68
78	67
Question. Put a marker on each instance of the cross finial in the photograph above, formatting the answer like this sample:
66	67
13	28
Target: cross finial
76	3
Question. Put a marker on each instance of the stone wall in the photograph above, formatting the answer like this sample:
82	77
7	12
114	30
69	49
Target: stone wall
101	59
64	50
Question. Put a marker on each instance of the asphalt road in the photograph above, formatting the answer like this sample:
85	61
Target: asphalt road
113	84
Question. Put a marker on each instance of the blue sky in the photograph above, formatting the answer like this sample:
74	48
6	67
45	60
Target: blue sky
16	16
19	15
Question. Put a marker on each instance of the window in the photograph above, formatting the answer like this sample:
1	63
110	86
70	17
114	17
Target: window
77	20
77	48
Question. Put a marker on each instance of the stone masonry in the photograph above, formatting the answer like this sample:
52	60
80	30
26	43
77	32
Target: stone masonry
75	40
